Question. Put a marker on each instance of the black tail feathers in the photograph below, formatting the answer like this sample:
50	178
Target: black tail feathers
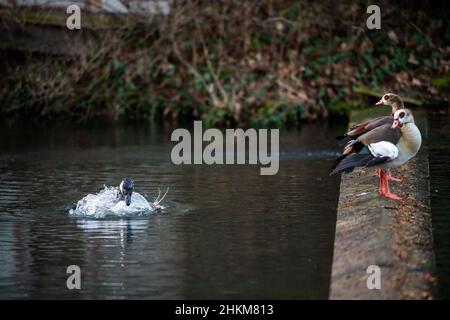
347	163
338	161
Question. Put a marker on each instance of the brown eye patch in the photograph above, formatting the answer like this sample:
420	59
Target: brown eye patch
386	97
402	114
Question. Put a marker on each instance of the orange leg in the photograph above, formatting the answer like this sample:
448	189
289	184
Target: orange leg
378	172
385	187
391	177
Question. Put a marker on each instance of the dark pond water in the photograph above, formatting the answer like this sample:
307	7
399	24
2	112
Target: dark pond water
439	154
227	232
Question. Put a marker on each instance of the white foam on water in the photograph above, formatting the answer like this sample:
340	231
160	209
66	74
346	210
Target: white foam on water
105	204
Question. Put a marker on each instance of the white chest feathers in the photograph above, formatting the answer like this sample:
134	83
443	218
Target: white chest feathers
383	149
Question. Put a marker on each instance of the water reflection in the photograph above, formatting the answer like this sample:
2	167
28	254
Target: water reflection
123	230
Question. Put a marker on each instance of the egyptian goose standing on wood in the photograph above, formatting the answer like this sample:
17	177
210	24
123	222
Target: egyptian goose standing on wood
385	147
388	99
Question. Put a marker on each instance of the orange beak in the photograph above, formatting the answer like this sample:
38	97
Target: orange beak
395	124
379	102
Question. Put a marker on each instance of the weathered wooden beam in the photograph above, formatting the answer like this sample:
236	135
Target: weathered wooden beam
57	17
396	236
139	7
45	31
47	39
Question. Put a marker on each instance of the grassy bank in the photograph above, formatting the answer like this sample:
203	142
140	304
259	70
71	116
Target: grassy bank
256	63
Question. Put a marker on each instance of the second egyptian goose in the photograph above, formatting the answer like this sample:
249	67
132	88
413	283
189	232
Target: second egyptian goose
388	99
385	147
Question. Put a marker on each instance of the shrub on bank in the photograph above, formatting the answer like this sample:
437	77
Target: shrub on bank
258	63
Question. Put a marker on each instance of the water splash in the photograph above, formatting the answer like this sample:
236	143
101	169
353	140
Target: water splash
104	204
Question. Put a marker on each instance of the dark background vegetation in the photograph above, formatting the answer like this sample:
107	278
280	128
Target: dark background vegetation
257	63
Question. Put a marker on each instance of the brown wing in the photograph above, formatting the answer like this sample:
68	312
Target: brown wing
380	133
364	127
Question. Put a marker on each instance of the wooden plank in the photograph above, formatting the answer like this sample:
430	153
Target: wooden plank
44	31
46	39
58	17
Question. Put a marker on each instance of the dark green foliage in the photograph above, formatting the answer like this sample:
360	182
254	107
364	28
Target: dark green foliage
268	63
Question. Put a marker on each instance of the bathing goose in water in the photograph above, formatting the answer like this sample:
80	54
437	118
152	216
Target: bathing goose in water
125	190
385	147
